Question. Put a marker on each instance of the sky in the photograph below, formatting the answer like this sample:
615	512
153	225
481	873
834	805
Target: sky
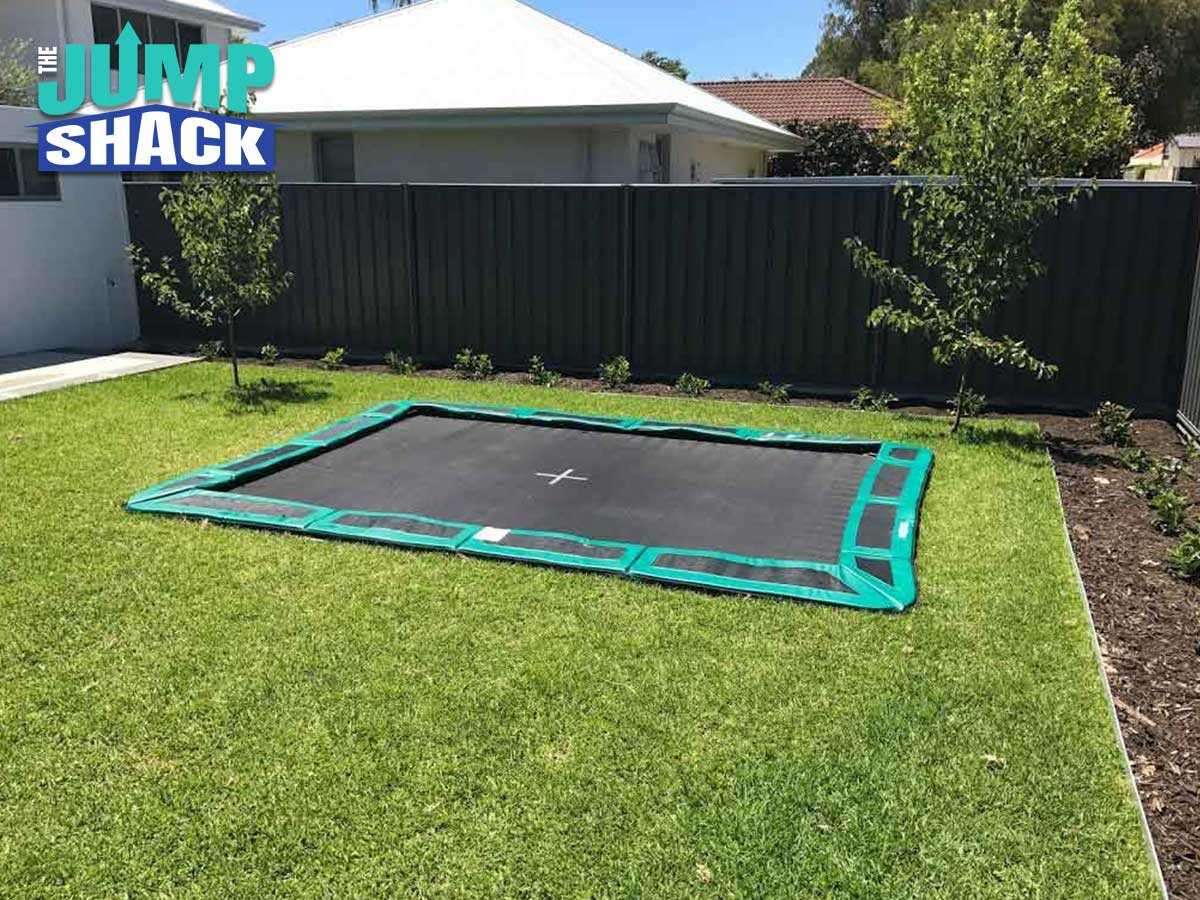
714	38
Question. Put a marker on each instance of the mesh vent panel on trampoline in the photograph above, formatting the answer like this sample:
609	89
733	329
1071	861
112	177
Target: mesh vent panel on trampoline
396	523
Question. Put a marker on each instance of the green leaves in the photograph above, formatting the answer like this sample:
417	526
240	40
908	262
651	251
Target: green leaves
18	80
835	147
992	114
228	228
987	93
666	63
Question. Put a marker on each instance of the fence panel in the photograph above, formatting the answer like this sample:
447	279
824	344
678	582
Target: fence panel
518	270
735	282
346	247
1111	309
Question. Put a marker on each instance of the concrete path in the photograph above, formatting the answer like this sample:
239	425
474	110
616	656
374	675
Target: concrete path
32	373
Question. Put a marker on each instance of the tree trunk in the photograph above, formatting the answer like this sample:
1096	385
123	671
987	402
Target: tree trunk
958	400
233	351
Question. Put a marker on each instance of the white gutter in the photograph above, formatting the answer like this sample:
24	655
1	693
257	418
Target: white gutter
663	114
184	10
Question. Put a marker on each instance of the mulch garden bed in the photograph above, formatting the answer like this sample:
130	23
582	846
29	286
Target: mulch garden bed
1147	620
1148	623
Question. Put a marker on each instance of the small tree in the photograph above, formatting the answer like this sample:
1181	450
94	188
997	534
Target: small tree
18	80
1002	113
228	228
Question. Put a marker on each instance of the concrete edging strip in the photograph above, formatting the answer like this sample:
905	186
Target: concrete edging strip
1147	835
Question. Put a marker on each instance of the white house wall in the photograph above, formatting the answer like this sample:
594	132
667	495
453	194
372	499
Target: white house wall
697	158
35	21
494	155
294	155
612	158
601	155
66	282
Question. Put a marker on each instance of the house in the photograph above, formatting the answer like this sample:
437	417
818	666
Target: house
495	91
785	101
67	281
1176	159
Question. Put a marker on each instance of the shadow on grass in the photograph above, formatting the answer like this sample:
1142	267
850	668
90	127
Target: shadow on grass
267	394
264	395
1021	444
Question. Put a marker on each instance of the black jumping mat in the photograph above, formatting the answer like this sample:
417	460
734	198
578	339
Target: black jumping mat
734	509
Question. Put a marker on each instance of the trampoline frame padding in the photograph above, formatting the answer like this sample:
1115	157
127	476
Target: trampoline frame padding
874	569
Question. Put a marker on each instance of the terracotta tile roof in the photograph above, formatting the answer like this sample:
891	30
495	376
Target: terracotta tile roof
787	100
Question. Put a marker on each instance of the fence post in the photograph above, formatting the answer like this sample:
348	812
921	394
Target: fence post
886	245
410	267
628	240
1187	406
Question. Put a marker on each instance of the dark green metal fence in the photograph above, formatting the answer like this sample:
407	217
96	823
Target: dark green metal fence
736	282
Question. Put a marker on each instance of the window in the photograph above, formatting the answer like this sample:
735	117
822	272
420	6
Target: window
106	25
20	178
654	160
109	21
333	157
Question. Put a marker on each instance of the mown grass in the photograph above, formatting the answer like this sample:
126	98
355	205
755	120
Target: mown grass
193	710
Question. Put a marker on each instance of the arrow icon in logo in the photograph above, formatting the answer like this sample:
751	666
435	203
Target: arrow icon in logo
127	70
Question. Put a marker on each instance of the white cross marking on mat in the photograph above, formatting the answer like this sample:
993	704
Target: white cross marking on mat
561	476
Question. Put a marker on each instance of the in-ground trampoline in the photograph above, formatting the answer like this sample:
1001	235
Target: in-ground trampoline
733	509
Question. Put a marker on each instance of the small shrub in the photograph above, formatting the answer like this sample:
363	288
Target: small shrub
775	393
539	374
866	400
1170	511
401	365
472	365
973	404
210	350
1160	475
691	385
1135	459
1113	423
269	354
334	358
615	373
1184	558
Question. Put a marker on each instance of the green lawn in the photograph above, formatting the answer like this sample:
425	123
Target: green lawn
194	710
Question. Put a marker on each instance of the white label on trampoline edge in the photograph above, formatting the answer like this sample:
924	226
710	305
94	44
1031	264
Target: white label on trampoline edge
902	531
491	535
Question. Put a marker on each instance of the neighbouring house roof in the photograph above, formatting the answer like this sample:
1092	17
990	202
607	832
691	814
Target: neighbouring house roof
452	63
1149	157
815	99
1187	141
212	12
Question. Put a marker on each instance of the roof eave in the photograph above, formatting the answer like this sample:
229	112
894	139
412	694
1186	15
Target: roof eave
627	114
233	20
766	135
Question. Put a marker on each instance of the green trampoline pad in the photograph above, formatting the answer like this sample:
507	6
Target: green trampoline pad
731	509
